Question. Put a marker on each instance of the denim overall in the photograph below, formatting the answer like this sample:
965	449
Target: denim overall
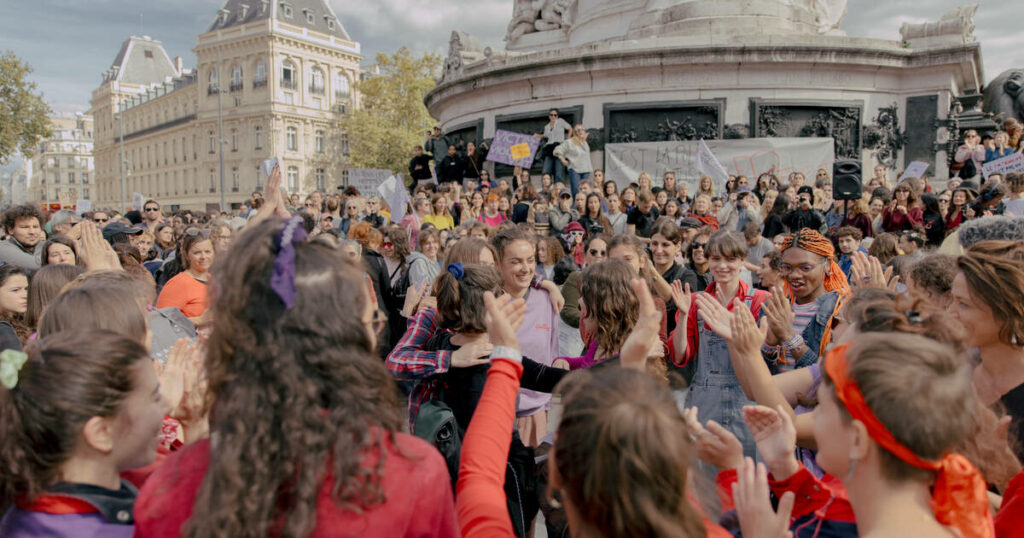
716	390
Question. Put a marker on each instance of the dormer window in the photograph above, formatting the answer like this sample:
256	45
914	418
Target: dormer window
309	16
287	10
244	11
263	6
223	15
330	23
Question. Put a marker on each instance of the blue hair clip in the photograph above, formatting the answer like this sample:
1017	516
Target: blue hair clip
456	270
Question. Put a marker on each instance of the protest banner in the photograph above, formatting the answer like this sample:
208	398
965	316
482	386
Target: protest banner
915	169
137	200
1005	165
394	193
367	179
513	149
748	156
83	206
709	165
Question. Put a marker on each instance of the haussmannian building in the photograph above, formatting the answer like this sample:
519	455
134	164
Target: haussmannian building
62	170
283	73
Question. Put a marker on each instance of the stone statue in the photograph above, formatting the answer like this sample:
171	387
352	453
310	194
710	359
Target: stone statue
956	27
524	19
463	49
555	15
828	14
1004	96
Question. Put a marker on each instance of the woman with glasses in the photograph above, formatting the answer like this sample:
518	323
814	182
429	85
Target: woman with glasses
188	289
696	253
555	131
902	213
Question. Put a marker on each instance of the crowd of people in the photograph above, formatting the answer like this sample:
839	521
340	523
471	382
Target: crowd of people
753	358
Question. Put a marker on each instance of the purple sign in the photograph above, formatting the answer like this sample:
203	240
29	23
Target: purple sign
513	149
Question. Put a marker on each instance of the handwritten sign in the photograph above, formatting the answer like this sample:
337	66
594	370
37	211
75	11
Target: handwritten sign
83	206
367	180
1005	165
915	169
513	149
748	156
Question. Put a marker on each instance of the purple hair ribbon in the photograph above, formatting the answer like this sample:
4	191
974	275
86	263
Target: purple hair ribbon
282	278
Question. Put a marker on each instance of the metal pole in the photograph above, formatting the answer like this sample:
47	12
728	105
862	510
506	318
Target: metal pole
220	133
120	123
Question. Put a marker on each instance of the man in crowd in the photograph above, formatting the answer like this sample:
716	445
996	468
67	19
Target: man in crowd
849	238
24	226
151	216
419	166
451	168
101	218
640	218
734	216
437	145
805	216
62	221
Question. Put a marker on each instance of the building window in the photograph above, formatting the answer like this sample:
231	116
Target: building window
234	139
259	80
212	173
258	132
214	83
234	179
288	75
85	177
309	16
330	24
236	79
316	81
319	142
292	139
213	141
287	9
341	86
344	144
71	177
85	193
321	179
293	178
71	162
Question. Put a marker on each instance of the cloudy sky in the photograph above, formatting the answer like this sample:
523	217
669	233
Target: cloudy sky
70	42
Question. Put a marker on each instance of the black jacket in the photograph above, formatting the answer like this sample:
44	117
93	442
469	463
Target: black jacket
424	162
451	169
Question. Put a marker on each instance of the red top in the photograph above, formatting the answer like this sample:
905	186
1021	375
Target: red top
417	501
1010	517
692	336
707	220
895	221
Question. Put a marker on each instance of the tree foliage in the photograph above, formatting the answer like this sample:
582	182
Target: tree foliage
24	116
391	118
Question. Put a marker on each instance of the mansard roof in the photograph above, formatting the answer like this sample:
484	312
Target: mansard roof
141	60
315	15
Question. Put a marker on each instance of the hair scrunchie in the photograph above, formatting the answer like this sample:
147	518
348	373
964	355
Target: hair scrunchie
282	278
456	270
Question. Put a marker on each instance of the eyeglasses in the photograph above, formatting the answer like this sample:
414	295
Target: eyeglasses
804	268
552	115
943	200
100	221
576	234
193	232
152	209
600	253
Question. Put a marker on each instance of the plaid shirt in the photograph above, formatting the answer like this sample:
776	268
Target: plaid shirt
409	362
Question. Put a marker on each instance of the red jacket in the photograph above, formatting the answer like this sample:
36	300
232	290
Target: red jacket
418	502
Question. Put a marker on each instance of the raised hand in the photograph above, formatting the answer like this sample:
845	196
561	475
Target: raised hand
780	314
504	316
775	436
96	253
172	374
714	445
644	336
754	506
681	297
715	316
746	336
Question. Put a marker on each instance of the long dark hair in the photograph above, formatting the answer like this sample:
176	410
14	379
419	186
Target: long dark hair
45	285
16	320
781	206
460	301
294	394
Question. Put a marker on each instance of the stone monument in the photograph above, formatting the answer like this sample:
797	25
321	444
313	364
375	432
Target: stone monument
663	70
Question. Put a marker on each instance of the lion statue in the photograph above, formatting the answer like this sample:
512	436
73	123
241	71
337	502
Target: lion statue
1004	96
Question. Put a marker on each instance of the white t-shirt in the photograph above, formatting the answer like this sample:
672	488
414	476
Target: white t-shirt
556	133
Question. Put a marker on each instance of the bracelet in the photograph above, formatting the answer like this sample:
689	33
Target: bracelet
794	342
506	352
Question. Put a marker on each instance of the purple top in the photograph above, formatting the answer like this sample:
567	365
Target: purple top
806	456
538	339
18	523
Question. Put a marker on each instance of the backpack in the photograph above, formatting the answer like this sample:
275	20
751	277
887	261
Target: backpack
968	170
435	424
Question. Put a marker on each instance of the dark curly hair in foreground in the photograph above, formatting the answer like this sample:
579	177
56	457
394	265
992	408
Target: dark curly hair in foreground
295	395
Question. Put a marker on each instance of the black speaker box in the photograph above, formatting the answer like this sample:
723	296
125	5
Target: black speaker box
846	180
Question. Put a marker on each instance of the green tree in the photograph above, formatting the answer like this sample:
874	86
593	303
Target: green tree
391	118
24	116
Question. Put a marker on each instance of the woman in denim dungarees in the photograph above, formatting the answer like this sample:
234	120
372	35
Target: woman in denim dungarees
715	389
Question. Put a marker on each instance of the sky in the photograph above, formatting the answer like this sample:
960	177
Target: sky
70	42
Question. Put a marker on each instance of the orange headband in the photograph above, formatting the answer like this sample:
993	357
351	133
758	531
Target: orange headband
835	280
958	496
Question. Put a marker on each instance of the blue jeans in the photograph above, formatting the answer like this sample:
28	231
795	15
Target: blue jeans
554	167
575	178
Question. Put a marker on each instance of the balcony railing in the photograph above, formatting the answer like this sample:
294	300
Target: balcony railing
235	86
212	89
316	90
261	83
288	84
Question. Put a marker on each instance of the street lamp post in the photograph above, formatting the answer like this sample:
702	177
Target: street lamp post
220	132
120	123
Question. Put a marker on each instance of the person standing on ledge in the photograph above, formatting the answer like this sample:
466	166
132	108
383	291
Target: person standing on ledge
555	131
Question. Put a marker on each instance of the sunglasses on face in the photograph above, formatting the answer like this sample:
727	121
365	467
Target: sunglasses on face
699	246
387	244
576	234
197	231
595	252
152	209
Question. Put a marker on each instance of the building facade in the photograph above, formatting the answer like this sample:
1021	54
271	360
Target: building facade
273	79
62	170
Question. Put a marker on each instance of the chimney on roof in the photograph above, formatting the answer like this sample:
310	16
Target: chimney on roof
178	65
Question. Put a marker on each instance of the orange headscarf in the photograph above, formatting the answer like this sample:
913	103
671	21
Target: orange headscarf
835	280
959	495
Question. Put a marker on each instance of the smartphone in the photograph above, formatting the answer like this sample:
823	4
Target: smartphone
268	166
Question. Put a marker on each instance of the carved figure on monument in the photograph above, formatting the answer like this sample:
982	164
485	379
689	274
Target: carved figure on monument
524	19
463	49
1004	96
554	15
955	27
828	14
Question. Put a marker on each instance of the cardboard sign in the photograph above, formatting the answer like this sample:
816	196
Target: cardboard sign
367	180
1005	165
137	201
513	149
83	206
915	169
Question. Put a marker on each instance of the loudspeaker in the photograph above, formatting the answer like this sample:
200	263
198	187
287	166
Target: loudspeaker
846	180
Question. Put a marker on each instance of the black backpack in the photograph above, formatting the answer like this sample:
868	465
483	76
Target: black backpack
435	424
968	170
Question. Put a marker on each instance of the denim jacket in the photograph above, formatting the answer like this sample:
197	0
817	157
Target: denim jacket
814	331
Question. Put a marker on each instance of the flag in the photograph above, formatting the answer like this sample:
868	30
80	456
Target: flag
707	164
393	191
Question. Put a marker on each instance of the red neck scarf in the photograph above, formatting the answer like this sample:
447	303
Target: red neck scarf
958	496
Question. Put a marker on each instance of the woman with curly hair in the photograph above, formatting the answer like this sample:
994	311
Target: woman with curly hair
304	416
